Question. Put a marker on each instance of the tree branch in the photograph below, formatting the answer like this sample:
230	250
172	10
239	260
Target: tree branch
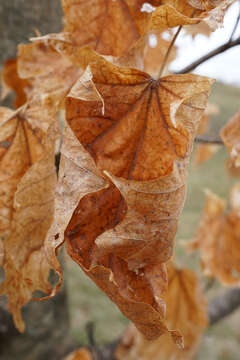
209	140
236	23
223	305
228	45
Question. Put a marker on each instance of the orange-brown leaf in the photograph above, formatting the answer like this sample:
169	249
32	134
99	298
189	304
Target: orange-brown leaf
51	75
77	177
204	152
144	126
123	235
81	354
211	109
27	182
186	311
99	23
25	263
230	135
20	147
217	237
12	82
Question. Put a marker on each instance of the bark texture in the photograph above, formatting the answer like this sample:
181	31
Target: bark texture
20	18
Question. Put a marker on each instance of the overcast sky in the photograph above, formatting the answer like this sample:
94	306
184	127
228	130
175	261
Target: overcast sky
224	67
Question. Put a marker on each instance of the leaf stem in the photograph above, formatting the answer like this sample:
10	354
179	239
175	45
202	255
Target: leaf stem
168	52
217	51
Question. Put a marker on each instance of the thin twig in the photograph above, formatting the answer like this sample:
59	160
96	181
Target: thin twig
209	140
236	23
168	52
228	45
223	305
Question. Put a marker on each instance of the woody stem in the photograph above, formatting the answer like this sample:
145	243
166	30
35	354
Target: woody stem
168	52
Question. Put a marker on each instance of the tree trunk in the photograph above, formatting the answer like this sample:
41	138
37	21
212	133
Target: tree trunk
20	18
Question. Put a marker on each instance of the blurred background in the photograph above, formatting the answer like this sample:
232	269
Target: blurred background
54	327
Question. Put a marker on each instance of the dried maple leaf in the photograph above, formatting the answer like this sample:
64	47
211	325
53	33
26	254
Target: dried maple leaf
81	354
25	263
204	152
202	28
20	148
12	81
211	109
215	17
186	311
234	197
99	23
142	143
77	177
51	75
230	135
211	12
217	237
204	4
103	20
27	184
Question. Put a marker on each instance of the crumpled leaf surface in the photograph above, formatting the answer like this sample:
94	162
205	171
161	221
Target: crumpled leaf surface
103	21
51	75
10	80
25	264
99	23
81	354
211	12
77	177
20	147
217	237
186	311
28	180
204	152
123	235
100	27
230	135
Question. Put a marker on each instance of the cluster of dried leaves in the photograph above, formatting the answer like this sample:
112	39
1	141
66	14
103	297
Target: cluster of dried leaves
125	149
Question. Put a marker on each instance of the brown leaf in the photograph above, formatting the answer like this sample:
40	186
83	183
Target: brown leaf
99	23
230	135
211	109
217	237
27	173
202	28
20	147
186	311
103	21
81	354
215	17
77	177
204	152
211	12
122	236
100	27
12	81
204	4
25	264
234	197
51	75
